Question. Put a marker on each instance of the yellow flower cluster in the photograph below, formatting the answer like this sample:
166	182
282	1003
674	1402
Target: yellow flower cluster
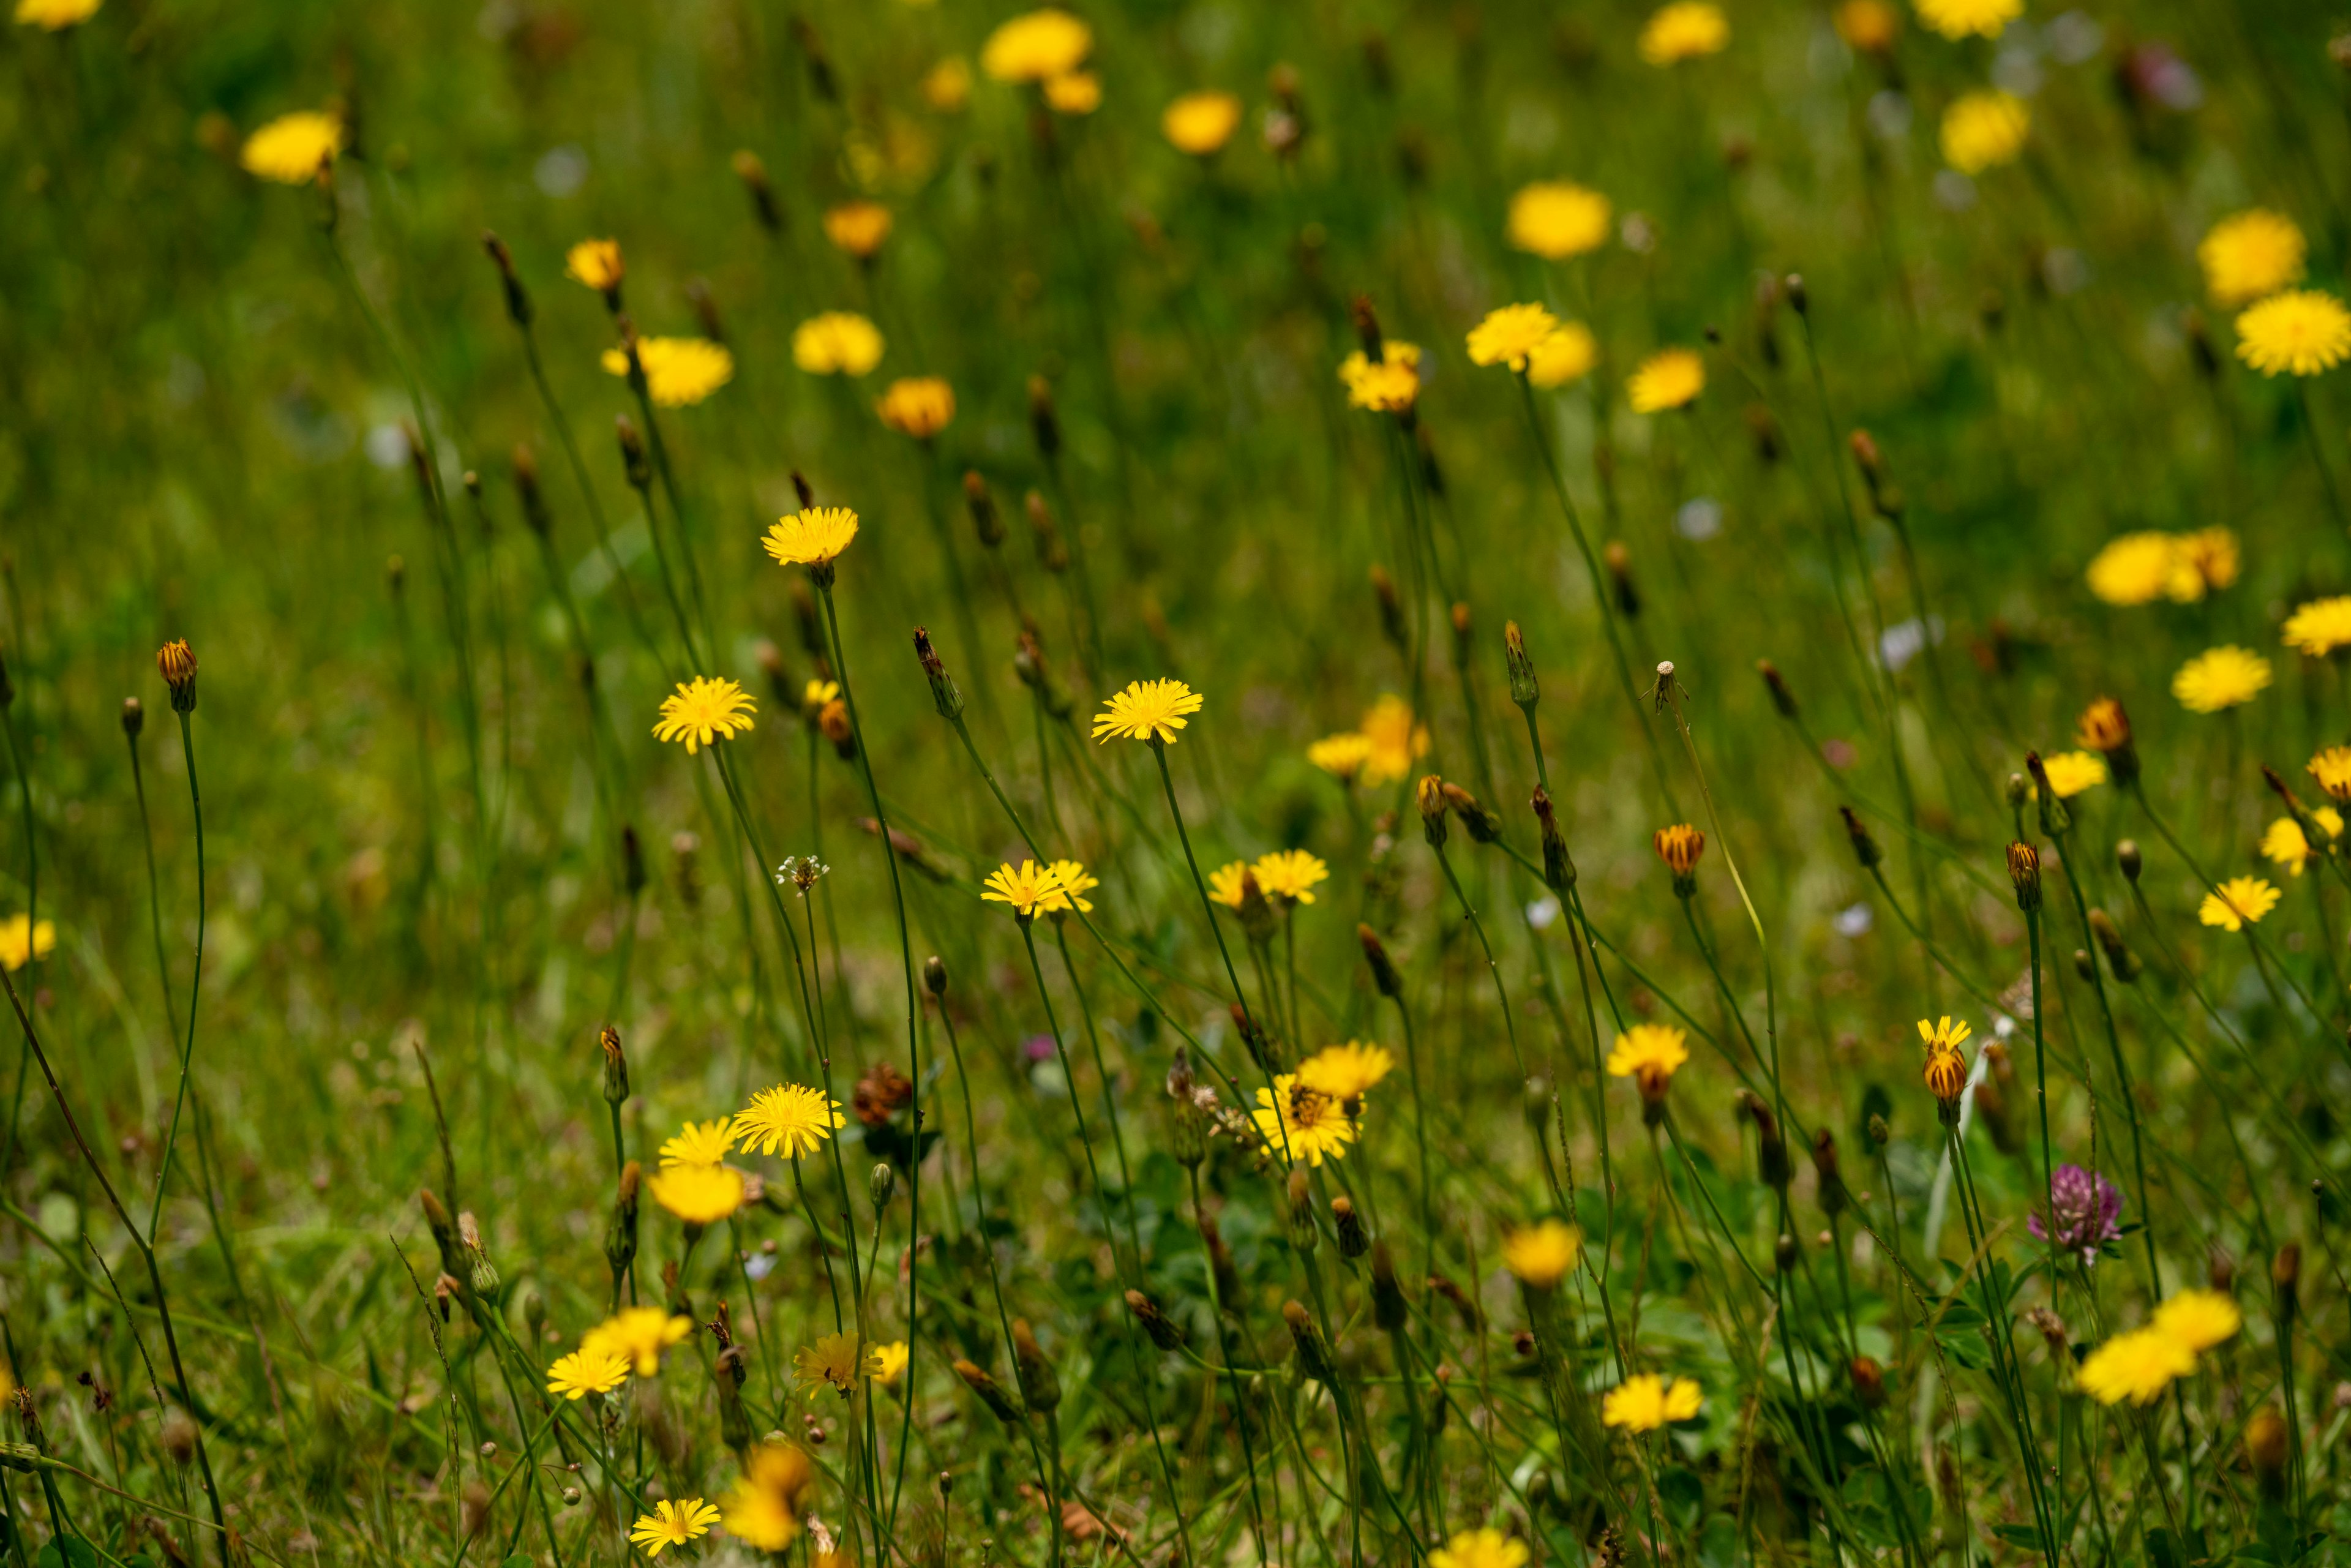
1379	750
2140	568
2140	1364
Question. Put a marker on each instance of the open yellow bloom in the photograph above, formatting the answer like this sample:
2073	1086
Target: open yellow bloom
638	1335
1670	378
764	1508
837	1361
1684	30
2320	627
21	941
1391	385
1148	710
698	1195
1540	1254
586	1372
2071	772
2249	255
1983	129
1201	123
679	372
1228	881
1341	755
1073	92
1487	1548
857	228
2137	1366
1510	334
1036	47
919	406
2299	332
2132	568
1029	890
1345	1072
1648	1402
813	538
596	262
1649	1053
790	1120
1291	874
54	15
1073	881
703	710
673	1524
1396	740
1962	18
2198	1319
2221	678
1568	354
1302	1124
2289	847
2237	902
1556	219
836	342
890	1361
2331	769
700	1143
293	148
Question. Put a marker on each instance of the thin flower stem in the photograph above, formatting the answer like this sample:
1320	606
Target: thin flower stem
1207	905
1502	999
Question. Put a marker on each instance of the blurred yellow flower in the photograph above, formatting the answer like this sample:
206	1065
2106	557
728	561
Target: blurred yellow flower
1540	1254
1684	31
2331	769
2133	569
1963	18
2221	678
705	709
2320	627
858	228
1074	882
919	406
1669	379
946	87
293	148
2071	772
698	1195
1395	740
1227	884
1341	755
2301	332
1291	874
763	1509
679	372
890	1361
1556	219
54	15
1148	710
1484	1548
1346	1072
2237	902
21	941
1508	335
813	538
838	342
2137	1366
2198	1319
638	1335
1648	1402
791	1119
1302	1124
1650	1054
2286	846
1983	129
1036	47
1201	123
586	1372
1568	354
2201	562
700	1143
1868	25
597	263
1074	92
2249	255
1391	386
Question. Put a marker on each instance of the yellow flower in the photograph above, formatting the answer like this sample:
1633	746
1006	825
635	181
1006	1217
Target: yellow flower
1291	874
638	1335
890	1362
813	538
2301	331
2137	1366
920	406
586	1372
679	372
1541	1254
2331	769
698	1195
788	1119
1648	1402
703	710
1226	882
1946	1069
838	342
2320	627
1684	31
1071	880
1148	710
596	262
1388	387
1868	25
1345	1072
1556	219
1961	18
2288	846
673	1524
1032	889
1649	1053
1300	1122
763	1509
1341	755
1509	334
1568	354
54	15
2198	1319
1396	742
1200	122
2251	255
293	148
946	87
2240	901
837	1361
2133	569
700	1143
21	941
1670	378
2221	678
1036	47
1073	92
857	228
2071	772
1679	846
1983	129
2201	562
1480	1548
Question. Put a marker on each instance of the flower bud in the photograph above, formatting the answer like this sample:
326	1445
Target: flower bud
620	1235
633	860
134	716
1864	848
1300	1192
1679	847
762	191
1042	422
1523	689
1620	572
1165	1332
1353	1239
177	664
1313	1355
1828	1175
533	502
991	1392
2267	1447
1384	979
1429	796
880	1183
1389	1308
2055	817
2120	959
632	447
1782	698
935	976
1559	869
943	695
1052	550
1038	1383
2024	873
517	300
1482	825
2285	1280
1880	1134
1785	1254
616	1066
1868	1382
1770	1149
2127	856
1392	626
984	515
178	1435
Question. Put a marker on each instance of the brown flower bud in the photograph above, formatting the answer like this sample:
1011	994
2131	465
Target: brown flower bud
1353	1239
1165	1332
1384	979
2285	1280
761	189
2120	959
1042	422
616	1066
1392	624
517	300
1052	550
1429	796
134	716
533	502
176	662
1482	825
633	448
2268	1445
984	515
935	976
1828	1175
1679	847
2056	816
1771	1148
2127	856
1868	1382
991	1392
1313	1355
1620	572
1389	1308
1864	848
944	695
1038	1383
1782	698
1523	689
1559	869
2024	874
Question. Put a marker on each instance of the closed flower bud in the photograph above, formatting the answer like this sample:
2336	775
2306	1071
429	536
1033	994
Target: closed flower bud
1038	1383
1389	1308
1165	1332
762	191
1042	422
616	1066
1783	698
2105	728
991	1392
1785	1254
1523	689
1679	847
1559	870
2055	818
1392	626
1864	848
1620	572
620	1235
2024	874
2267	1447
632	447
880	1183
984	515
176	662
1880	1134
1384	979
943	695
1770	1149
633	860
2127	856
534	1313
517	300
1300	1192
2220	1272
1220	1264
1429	796
2017	790
1353	1239
533	502
1313	1355
833	718
1052	550
2285	1280
134	716
935	976
1828	1175
1868	1382
1482	825
2084	967
2120	959
1259	918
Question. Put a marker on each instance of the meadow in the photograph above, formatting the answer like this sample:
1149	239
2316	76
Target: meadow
1174	783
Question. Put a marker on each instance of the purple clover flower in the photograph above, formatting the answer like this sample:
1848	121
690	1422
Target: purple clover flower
2087	1210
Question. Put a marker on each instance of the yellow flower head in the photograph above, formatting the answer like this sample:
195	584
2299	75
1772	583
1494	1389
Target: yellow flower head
857	228
1073	92
2102	727
1540	1254
763	1509
700	1143
837	1361
1072	881
705	709
2249	255
1868	25
2331	769
1670	378
2133	569
1946	1069
1037	47
1389	386
1684	30
1291	874
1201	123
789	1119
1396	741
2288	846
1567	355
679	372
2300	332
21	941
836	343
586	1372
698	1195
2137	1366
813	538
638	1335
1962	18
890	1362
2237	902
293	148
946	87
673	1524
1556	219
1341	755
2201	562
1228	884
1509	334
2198	1319
919	406
1679	846
596	262
1648	1402
2320	627
1487	1548
1029	891
2071	772
1983	129
1300	1124
1650	1054
54	15
1148	710
2221	678
1345	1072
